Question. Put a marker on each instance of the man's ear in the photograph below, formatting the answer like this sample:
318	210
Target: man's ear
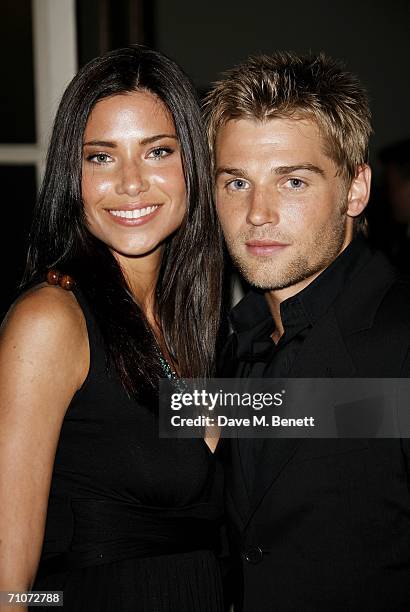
359	191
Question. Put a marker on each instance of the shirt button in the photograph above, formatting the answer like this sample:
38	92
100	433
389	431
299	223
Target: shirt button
253	554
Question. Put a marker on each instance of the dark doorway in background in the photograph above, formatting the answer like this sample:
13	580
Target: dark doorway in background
19	188
103	25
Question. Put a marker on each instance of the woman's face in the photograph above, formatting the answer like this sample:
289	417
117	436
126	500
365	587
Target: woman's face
133	184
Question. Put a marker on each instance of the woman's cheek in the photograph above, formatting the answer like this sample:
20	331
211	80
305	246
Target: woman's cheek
171	176
95	189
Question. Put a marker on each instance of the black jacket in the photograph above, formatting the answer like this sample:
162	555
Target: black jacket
327	527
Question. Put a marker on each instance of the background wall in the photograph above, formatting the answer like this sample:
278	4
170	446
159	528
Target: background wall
372	37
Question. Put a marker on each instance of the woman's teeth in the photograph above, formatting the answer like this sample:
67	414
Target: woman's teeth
133	214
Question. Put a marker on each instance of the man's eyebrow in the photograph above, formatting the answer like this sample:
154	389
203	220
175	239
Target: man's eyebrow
144	141
305	166
278	170
231	171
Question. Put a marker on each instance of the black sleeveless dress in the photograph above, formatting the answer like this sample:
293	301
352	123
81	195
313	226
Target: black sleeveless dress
132	522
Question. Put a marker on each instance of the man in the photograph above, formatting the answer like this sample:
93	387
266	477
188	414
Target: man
316	524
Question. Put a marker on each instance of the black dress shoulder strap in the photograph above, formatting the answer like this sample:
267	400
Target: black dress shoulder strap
98	369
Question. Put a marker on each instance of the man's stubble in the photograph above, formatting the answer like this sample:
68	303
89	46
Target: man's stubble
307	257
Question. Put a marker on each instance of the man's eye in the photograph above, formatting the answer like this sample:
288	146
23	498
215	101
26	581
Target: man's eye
159	152
99	158
296	183
238	185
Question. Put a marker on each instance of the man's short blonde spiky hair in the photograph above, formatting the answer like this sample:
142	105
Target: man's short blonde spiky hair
285	84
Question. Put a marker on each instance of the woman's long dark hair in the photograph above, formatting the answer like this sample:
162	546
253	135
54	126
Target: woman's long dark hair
189	284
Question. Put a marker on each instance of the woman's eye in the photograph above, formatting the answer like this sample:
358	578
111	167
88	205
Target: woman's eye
159	152
296	183
238	185
99	158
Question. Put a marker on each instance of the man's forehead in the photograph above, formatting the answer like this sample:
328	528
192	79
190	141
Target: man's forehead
267	129
244	137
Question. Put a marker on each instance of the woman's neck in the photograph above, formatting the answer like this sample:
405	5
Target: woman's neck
141	274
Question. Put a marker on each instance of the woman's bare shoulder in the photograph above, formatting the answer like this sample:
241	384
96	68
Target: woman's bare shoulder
46	324
46	306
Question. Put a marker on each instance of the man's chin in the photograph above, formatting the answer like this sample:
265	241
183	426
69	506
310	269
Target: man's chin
266	282
275	280
270	285
261	274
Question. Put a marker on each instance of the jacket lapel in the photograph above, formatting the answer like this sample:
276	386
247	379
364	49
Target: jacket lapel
275	454
237	493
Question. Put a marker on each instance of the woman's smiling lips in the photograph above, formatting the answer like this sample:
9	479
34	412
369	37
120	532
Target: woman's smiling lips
133	215
264	247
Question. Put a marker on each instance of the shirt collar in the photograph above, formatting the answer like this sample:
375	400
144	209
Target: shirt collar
320	294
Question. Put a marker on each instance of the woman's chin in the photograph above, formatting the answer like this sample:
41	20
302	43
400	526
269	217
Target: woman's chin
136	251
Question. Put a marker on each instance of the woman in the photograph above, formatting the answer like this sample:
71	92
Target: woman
125	211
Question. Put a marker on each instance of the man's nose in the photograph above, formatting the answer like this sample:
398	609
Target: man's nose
132	179
263	208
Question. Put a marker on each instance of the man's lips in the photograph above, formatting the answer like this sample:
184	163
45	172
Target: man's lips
264	247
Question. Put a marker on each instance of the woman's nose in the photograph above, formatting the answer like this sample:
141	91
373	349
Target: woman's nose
132	179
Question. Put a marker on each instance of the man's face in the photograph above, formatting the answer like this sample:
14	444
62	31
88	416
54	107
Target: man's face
280	202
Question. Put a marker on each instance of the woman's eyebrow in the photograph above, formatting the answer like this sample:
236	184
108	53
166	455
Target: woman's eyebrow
100	143
151	139
144	141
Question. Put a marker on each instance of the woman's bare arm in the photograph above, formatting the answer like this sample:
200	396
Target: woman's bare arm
44	358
